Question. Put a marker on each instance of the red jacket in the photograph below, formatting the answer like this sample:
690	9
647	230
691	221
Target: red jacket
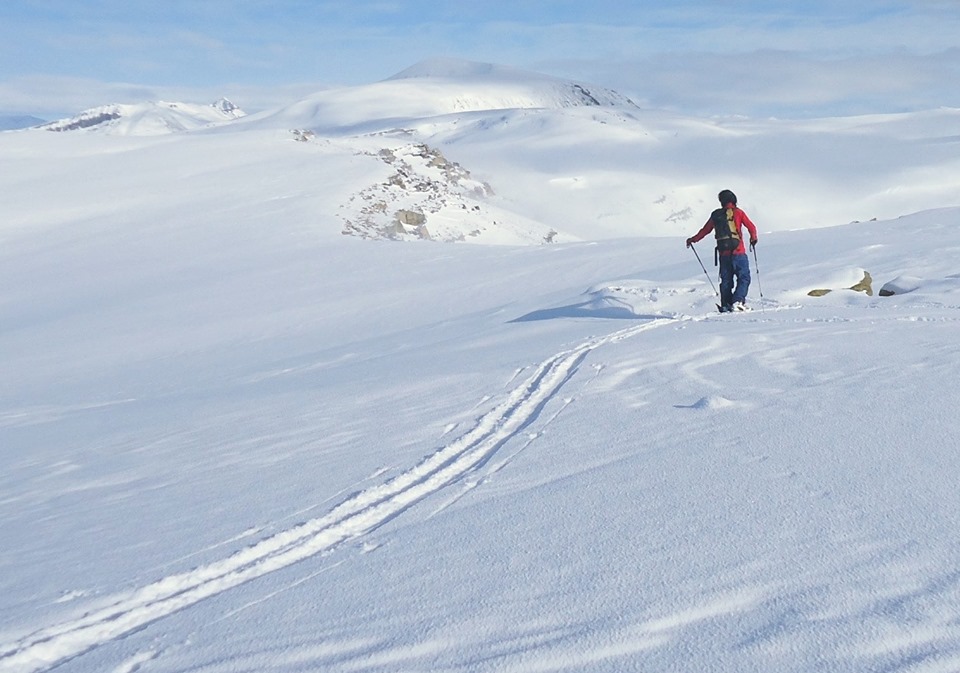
740	219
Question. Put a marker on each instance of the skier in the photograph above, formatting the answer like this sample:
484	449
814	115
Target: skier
727	223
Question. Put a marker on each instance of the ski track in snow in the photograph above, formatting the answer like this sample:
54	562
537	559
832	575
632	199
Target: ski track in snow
358	515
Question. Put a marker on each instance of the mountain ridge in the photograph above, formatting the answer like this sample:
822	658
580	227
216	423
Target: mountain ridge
436	88
147	118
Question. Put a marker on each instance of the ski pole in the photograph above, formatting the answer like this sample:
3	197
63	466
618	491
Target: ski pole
756	264
692	247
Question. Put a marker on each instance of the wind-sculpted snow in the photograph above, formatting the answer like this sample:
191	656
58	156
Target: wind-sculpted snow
353	518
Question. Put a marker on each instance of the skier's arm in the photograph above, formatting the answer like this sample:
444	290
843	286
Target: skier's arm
751	227
707	228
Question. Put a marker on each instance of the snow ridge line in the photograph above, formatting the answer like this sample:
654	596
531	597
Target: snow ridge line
358	515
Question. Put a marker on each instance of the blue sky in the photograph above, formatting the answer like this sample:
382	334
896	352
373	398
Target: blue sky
754	57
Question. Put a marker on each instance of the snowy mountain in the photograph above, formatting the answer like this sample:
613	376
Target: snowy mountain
147	119
430	110
234	439
433	89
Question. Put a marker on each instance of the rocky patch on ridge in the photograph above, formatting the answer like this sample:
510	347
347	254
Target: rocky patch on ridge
428	196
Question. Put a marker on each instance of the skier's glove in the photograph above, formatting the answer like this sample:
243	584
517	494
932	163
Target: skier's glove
753	243
689	242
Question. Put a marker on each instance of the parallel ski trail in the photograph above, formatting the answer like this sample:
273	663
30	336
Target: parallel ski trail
356	516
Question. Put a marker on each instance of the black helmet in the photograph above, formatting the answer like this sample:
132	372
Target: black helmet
726	196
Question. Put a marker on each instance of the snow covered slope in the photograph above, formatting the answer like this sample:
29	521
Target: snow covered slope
147	119
234	439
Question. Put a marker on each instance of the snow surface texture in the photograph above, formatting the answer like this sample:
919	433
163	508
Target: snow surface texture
233	439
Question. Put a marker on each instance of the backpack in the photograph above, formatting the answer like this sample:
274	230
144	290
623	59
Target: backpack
728	238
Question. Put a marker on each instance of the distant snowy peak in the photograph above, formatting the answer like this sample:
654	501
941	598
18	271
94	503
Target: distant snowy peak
436	88
523	88
228	108
152	118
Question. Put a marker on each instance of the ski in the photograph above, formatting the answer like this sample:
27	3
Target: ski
733	309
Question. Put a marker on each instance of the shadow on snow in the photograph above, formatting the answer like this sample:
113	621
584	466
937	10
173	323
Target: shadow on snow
587	309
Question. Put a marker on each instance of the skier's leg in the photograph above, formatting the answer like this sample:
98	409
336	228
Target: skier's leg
726	281
741	269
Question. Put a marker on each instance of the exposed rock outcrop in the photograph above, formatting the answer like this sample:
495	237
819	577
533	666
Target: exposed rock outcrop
424	183
865	286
